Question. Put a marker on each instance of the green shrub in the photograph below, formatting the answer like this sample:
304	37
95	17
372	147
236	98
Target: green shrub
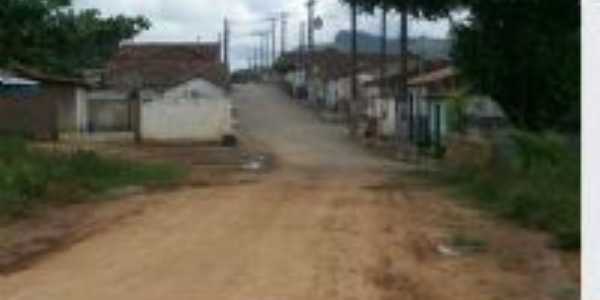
537	184
30	177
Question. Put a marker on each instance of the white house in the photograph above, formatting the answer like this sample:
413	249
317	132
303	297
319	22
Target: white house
195	110
176	92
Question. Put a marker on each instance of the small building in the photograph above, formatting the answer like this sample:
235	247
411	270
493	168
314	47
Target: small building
381	97
427	109
40	105
428	117
179	92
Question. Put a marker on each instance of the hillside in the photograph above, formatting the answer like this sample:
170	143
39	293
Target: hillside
368	43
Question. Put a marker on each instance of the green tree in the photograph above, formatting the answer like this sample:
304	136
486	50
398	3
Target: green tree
50	35
525	54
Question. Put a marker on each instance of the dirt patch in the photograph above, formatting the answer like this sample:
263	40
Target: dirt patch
52	229
436	248
327	224
56	228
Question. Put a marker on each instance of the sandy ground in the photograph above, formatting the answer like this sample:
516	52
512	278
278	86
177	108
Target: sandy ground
327	223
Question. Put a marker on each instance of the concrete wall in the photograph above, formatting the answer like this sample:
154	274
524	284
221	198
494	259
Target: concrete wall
194	111
72	108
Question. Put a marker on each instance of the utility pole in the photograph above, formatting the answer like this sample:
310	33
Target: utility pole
302	46
283	37
260	50
311	15
404	78
267	50
354	52
221	48
273	40
256	59
226	37
265	42
301	65
383	48
259	56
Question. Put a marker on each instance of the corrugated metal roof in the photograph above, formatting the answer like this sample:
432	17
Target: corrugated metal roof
7	78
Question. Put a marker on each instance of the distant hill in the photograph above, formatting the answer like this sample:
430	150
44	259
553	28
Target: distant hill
368	43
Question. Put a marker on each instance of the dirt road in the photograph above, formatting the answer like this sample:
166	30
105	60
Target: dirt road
325	224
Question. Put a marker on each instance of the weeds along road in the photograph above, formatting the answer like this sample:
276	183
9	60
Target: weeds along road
322	225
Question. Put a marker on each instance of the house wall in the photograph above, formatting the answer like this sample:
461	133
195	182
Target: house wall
107	111
67	108
429	117
344	85
194	111
73	110
110	115
386	110
82	109
296	79
344	88
331	95
38	115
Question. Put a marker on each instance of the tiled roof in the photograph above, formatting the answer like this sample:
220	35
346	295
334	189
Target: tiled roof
333	63
164	65
433	76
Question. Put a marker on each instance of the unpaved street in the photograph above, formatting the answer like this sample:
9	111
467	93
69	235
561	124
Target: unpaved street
326	223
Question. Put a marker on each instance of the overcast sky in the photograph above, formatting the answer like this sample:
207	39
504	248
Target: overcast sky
191	20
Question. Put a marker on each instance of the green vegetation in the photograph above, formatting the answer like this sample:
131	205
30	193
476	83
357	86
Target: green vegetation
533	179
52	36
30	178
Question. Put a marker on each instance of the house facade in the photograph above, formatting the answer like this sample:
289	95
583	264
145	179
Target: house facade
427	117
169	92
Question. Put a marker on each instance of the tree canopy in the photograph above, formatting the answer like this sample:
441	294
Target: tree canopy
525	54
52	36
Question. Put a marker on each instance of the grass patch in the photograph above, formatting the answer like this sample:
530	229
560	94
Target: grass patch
534	180
30	178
